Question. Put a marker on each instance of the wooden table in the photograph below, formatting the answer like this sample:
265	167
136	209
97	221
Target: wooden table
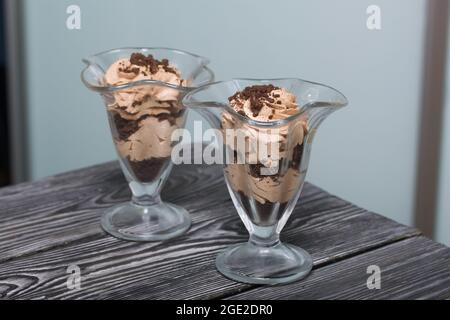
48	225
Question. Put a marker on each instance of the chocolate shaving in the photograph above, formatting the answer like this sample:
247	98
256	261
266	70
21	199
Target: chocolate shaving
129	70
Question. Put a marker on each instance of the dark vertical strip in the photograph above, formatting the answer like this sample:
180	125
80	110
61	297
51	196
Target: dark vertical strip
16	90
433	98
5	160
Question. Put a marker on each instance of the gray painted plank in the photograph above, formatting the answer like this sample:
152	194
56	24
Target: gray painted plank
66	208
62	228
415	268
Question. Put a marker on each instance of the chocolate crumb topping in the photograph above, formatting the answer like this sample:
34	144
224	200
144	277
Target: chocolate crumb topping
166	67
257	95
150	62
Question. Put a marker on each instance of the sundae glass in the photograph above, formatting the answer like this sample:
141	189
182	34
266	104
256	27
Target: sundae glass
142	89
266	128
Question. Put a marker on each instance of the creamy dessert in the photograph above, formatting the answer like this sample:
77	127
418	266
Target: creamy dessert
265	186
144	117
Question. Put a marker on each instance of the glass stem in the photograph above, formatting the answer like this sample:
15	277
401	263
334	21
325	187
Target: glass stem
146	200
264	237
147	194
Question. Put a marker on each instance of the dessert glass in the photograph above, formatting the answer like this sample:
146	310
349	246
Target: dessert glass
264	173
144	145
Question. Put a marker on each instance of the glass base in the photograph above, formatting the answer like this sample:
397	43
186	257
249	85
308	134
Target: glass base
134	222
249	263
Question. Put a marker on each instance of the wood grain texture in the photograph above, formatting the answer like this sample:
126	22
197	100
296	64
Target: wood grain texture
416	268
66	208
48	225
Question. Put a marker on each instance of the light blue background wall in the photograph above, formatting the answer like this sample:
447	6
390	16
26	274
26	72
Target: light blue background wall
365	153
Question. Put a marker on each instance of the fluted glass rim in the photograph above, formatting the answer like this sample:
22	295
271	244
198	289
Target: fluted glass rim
342	102
203	61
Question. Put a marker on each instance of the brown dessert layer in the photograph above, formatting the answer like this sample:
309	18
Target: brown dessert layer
124	127
147	171
297	153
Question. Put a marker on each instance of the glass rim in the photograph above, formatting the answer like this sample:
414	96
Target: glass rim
302	110
89	61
